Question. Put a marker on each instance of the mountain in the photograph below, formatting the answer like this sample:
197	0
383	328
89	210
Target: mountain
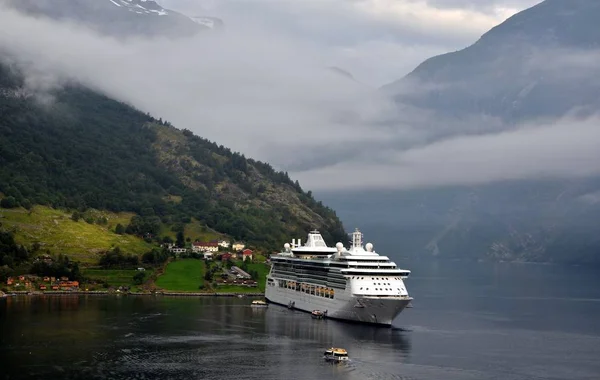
527	221
78	150
538	63
118	18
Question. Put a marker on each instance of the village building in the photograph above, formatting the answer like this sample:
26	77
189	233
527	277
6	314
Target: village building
226	256
178	251
238	246
247	254
224	244
200	246
69	285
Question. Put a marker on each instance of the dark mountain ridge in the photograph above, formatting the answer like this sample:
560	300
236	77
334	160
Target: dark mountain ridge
538	63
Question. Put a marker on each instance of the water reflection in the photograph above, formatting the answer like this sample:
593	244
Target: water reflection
148	337
359	340
488	321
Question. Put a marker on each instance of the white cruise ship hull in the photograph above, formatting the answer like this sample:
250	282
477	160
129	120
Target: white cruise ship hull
372	310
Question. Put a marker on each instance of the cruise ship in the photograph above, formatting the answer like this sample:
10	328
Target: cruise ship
355	284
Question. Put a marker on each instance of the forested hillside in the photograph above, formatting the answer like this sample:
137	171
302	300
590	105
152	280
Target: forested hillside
80	149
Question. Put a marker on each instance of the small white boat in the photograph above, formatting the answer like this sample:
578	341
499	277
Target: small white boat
259	303
318	314
336	354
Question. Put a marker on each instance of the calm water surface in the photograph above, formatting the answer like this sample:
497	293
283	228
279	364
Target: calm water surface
483	321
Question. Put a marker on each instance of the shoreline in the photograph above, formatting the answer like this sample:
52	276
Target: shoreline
107	293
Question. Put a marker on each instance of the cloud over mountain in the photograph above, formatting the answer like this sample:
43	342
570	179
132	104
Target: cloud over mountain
270	96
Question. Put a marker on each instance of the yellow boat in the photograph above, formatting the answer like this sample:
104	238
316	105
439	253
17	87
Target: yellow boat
336	354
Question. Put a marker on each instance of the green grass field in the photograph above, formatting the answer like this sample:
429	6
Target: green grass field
56	232
185	275
194	230
262	269
115	277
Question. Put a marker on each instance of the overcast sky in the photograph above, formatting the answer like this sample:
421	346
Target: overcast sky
378	41
260	88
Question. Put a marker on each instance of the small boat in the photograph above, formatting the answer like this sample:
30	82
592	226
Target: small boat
336	355
259	303
318	314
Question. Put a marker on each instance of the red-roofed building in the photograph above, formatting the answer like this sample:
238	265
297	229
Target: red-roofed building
247	254
226	256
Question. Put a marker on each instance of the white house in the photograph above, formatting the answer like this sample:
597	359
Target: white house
238	246
178	251
208	255
201	246
224	244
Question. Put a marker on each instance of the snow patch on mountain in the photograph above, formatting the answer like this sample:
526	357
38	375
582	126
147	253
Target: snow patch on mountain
149	7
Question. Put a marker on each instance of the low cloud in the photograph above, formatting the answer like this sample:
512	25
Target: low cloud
565	149
252	91
270	96
378	41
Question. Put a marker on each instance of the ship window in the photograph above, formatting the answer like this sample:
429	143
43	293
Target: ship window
361	288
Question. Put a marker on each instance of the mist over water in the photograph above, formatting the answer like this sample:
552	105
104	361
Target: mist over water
468	322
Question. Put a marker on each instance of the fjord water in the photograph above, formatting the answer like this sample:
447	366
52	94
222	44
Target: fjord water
469	321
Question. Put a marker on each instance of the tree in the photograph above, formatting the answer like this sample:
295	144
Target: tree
75	217
119	229
180	239
138	278
8	202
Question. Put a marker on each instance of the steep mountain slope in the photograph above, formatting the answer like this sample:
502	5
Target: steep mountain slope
119	18
539	63
85	150
539	221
